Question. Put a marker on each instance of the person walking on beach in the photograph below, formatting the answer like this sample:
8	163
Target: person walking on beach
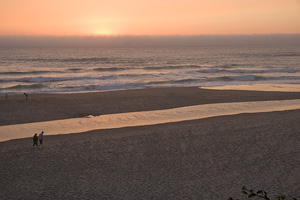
41	135
26	95
35	140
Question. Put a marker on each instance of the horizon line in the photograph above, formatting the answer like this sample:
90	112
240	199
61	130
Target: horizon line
149	40
138	35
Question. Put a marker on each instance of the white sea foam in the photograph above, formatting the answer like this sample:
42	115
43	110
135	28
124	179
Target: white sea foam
111	121
91	69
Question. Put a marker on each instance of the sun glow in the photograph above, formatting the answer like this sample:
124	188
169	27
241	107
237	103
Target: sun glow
156	17
102	31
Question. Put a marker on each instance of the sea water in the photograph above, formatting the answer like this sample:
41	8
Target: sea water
61	70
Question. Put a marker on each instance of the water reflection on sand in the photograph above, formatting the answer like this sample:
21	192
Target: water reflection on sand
119	120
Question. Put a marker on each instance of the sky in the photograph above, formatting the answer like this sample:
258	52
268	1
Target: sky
148	17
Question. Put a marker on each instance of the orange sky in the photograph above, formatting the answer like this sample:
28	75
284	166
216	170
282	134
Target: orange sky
148	17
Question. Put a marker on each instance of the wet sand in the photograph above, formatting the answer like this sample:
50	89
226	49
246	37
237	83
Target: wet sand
143	118
210	158
45	107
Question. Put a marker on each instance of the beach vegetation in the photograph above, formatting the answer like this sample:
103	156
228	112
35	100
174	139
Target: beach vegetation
260	194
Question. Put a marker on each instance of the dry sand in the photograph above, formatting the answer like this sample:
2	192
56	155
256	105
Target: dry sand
210	158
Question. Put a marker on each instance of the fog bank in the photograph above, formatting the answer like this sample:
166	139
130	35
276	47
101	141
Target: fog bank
149	41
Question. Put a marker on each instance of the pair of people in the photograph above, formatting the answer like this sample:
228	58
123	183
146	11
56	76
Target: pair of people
38	138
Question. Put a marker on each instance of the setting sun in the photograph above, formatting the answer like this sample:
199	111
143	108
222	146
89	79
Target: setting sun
102	31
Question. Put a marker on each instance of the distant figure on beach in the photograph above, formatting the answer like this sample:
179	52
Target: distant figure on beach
26	95
41	135
35	140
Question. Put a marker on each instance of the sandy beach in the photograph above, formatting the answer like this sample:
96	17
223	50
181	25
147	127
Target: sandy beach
211	158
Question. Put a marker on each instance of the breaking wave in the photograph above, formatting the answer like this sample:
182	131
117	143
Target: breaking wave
173	67
22	87
174	81
244	71
28	72
109	69
68	60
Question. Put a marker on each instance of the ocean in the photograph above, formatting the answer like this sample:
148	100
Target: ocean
64	70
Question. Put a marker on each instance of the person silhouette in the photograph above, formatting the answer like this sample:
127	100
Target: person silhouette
26	95
35	140
41	135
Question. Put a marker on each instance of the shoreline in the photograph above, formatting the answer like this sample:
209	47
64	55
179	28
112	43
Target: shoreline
268	87
259	87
